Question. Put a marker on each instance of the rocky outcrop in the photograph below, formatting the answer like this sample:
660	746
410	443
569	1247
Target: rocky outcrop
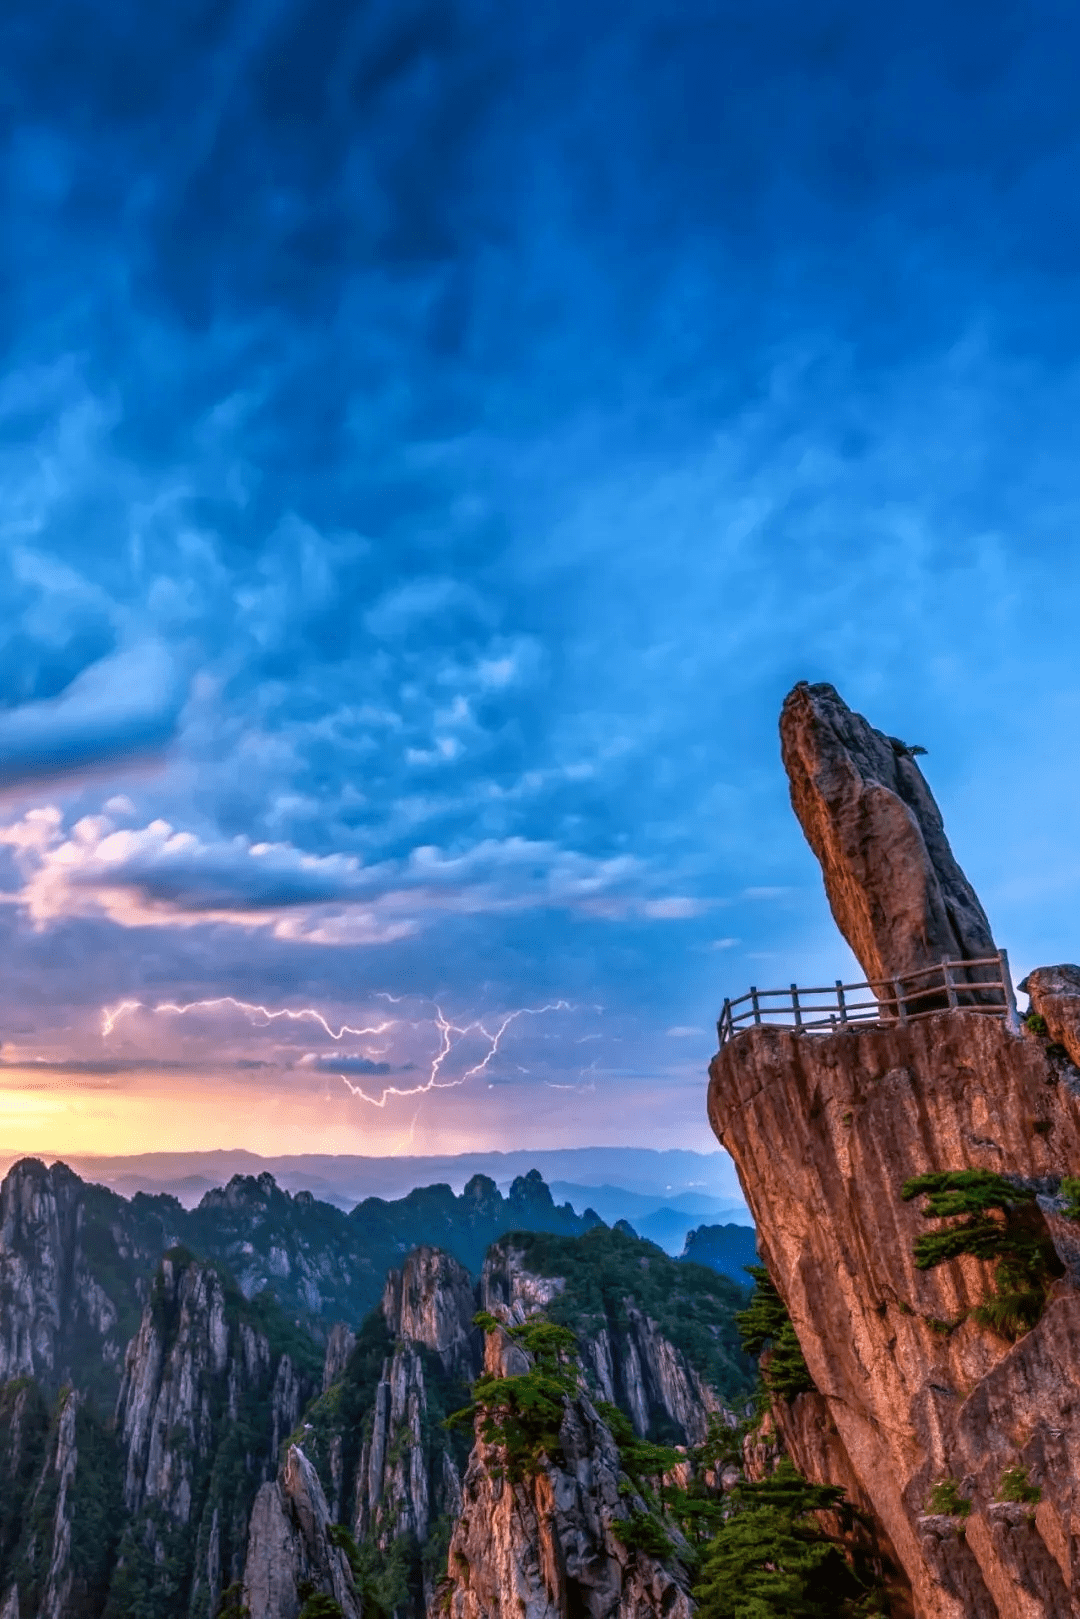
432	1301
290	1548
70	1269
545	1547
404	1481
164	1413
339	1346
1054	994
898	895
627	1360
58	1579
393	1491
205	1396
824	1132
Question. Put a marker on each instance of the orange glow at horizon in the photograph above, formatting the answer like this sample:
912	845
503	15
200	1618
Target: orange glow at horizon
181	1113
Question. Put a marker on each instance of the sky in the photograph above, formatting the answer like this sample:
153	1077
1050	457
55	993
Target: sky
434	435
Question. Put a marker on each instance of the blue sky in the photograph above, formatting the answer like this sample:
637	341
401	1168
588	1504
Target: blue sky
433	437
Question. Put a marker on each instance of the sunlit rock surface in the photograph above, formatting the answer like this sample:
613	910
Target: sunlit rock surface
898	895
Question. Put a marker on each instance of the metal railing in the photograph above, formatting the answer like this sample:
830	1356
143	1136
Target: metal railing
982	986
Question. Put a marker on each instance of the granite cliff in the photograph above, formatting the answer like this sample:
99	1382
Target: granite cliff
943	1404
548	1544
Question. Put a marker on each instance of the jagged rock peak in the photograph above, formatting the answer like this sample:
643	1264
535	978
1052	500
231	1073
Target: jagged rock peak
895	889
432	1301
246	1192
161	1414
289	1547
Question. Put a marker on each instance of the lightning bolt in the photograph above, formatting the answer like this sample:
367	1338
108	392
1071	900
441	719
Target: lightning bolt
264	1016
446	1032
110	1017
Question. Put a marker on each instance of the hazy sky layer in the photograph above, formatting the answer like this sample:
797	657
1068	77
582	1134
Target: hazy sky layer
434	435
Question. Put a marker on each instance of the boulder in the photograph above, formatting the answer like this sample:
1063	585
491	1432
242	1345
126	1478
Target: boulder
1054	992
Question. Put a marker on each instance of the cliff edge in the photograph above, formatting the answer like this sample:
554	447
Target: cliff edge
955	1424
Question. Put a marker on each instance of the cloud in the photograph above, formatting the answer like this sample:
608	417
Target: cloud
343	1064
117	709
155	876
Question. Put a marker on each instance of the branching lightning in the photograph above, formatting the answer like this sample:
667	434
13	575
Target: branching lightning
446	1032
450	1035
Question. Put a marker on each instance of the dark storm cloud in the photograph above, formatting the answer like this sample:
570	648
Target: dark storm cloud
434	434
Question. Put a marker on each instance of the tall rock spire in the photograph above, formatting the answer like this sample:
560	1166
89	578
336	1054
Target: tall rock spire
898	895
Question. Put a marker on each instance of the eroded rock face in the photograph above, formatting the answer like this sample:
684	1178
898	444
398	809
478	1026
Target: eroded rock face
824	1132
194	1376
544	1548
898	895
630	1364
402	1485
54	1306
289	1546
339	1346
432	1301
163	1413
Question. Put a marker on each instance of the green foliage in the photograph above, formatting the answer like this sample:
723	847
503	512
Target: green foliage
642	1532
1037	1024
643	1461
765	1324
772	1557
97	1507
232	1604
1070	1191
522	1415
945	1498
321	1606
24	1427
1016	1486
697	1511
389	1581
996	1222
607	1273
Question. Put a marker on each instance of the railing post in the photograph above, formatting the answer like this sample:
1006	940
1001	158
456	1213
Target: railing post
1012	1021
950	987
840	1001
755	1003
795	1004
901	1009
723	1021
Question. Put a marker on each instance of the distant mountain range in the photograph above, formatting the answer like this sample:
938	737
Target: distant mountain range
663	1179
662	1218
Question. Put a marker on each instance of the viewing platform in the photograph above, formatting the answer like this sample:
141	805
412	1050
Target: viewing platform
984	986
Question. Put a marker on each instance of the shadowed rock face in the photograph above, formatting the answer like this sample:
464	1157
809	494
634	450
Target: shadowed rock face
895	889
